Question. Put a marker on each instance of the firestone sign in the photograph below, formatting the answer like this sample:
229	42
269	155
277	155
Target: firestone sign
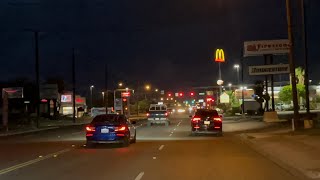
269	69
259	48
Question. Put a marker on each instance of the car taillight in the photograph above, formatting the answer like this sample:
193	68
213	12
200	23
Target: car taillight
148	114
196	119
121	128
166	114
217	119
90	128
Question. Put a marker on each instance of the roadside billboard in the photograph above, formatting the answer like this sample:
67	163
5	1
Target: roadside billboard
13	92
66	98
247	93
269	69
260	48
49	91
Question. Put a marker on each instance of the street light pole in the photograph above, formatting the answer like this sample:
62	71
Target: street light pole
91	89
36	41
292	65
238	73
305	52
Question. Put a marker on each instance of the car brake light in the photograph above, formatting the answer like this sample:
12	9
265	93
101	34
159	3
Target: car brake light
195	119
148	114
90	128
217	119
166	114
121	128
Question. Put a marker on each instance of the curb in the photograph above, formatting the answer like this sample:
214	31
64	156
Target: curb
27	132
45	128
290	169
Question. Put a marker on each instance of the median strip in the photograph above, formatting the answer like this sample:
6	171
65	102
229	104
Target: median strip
41	158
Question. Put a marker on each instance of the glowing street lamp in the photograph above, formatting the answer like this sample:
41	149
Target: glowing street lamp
148	87
237	66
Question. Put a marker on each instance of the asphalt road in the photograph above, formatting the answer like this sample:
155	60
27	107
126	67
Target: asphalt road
160	153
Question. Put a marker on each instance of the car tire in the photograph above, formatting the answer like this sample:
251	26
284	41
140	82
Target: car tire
134	140
126	141
90	144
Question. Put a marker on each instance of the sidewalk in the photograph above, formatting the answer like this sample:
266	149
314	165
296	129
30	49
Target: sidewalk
298	152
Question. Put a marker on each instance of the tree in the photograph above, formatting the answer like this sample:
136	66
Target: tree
285	94
300	75
258	91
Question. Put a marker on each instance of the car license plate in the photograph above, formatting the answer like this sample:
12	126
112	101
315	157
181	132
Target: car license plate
157	118
206	122
104	130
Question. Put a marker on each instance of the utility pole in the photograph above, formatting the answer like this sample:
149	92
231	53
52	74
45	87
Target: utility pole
242	90
106	87
292	64
36	42
305	53
73	86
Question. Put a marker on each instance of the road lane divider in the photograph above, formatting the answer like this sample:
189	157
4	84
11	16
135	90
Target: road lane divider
161	147
41	158
140	175
170	134
154	157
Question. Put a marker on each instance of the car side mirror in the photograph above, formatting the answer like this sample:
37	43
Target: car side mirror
133	122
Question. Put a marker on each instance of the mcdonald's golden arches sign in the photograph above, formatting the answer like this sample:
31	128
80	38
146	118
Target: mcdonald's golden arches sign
219	56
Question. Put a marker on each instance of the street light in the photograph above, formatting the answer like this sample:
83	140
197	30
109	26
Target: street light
147	87
156	90
102	96
237	66
230	85
91	89
120	84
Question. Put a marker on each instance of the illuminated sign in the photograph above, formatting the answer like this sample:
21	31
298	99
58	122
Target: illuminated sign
125	94
260	48
219	56
66	98
13	92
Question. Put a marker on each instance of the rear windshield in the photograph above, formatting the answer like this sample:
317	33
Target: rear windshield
109	118
158	108
207	113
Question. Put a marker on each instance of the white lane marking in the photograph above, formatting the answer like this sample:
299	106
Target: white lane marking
170	134
154	157
161	147
174	129
140	175
41	158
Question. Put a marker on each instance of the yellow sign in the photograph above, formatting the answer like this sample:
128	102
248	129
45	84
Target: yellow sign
219	56
224	98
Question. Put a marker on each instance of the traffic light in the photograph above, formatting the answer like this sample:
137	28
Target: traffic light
181	94
192	94
124	99
169	94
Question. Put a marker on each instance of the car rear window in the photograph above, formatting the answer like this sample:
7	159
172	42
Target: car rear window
207	113
109	118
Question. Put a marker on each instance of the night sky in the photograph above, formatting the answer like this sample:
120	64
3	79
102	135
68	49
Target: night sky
167	43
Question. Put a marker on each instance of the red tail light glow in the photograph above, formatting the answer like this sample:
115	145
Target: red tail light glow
217	119
90	128
166	114
196	119
121	128
148	114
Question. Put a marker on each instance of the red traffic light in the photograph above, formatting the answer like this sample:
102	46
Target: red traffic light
169	94
180	94
192	94
124	99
